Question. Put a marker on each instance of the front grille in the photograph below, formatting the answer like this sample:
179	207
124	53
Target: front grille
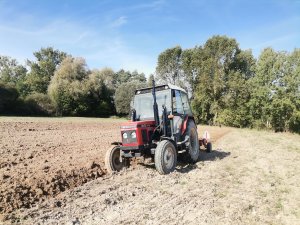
144	136
129	138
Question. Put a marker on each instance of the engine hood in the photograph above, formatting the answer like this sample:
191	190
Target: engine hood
136	124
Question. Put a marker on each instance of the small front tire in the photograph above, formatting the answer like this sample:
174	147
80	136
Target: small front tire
112	160
165	157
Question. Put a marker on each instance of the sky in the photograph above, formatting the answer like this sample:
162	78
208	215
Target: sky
130	34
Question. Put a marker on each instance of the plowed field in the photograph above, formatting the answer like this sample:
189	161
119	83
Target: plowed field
52	172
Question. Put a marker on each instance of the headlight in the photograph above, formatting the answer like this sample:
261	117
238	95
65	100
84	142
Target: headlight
133	134
124	135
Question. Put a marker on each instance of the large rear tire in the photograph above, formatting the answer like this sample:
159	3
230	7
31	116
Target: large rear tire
112	160
193	150
165	157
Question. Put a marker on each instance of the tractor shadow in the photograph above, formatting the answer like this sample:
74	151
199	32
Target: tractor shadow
218	154
213	155
183	167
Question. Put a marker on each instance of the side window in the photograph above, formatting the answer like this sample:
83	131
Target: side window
186	105
177	103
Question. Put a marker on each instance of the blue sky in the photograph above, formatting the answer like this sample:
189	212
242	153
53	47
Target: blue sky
130	34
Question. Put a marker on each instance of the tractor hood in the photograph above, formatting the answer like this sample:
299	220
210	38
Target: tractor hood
135	124
137	133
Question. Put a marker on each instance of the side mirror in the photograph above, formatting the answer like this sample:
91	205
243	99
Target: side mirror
133	115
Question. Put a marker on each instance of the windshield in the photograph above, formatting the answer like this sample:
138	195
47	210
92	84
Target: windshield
143	104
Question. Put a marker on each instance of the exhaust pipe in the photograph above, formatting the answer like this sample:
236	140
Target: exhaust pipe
155	107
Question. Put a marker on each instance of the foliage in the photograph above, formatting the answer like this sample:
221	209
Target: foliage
276	90
226	84
10	71
229	87
221	82
9	96
124	95
43	69
169	65
123	76
149	80
99	91
39	104
67	87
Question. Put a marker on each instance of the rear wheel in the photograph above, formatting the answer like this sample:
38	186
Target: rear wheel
112	160
165	157
193	150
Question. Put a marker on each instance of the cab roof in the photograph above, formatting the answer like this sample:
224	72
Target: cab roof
159	88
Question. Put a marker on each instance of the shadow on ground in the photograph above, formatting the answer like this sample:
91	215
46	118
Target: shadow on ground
213	155
204	156
184	167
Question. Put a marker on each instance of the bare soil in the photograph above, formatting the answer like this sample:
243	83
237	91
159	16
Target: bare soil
52	172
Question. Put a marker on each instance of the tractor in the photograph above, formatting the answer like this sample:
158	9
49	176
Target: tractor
162	127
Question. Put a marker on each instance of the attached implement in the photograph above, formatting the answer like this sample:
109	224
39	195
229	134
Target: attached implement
162	127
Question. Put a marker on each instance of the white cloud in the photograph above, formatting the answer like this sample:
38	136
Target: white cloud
100	47
119	22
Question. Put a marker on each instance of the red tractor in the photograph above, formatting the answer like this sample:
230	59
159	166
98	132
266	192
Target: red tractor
164	135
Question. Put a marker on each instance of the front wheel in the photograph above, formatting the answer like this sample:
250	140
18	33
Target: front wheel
165	157
112	160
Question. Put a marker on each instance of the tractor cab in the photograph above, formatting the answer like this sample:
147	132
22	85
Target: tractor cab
161	127
169	98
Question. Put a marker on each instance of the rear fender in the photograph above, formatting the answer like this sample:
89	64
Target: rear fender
169	139
184	125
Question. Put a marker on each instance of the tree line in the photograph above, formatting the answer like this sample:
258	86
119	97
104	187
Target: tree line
227	85
58	84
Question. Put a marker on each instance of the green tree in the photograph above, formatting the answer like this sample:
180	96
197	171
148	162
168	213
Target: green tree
11	72
140	77
123	76
262	88
67	88
169	66
215	64
191	60
100	91
8	98
39	104
237	96
124	95
149	80
43	69
292	81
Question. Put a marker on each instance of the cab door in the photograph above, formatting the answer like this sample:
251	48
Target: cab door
178	111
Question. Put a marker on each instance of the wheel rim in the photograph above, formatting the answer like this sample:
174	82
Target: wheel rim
116	163
169	158
193	142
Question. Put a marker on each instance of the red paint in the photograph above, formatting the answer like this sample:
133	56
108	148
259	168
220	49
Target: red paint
138	126
184	126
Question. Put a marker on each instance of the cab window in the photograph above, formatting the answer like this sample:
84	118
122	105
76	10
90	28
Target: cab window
177	102
185	103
